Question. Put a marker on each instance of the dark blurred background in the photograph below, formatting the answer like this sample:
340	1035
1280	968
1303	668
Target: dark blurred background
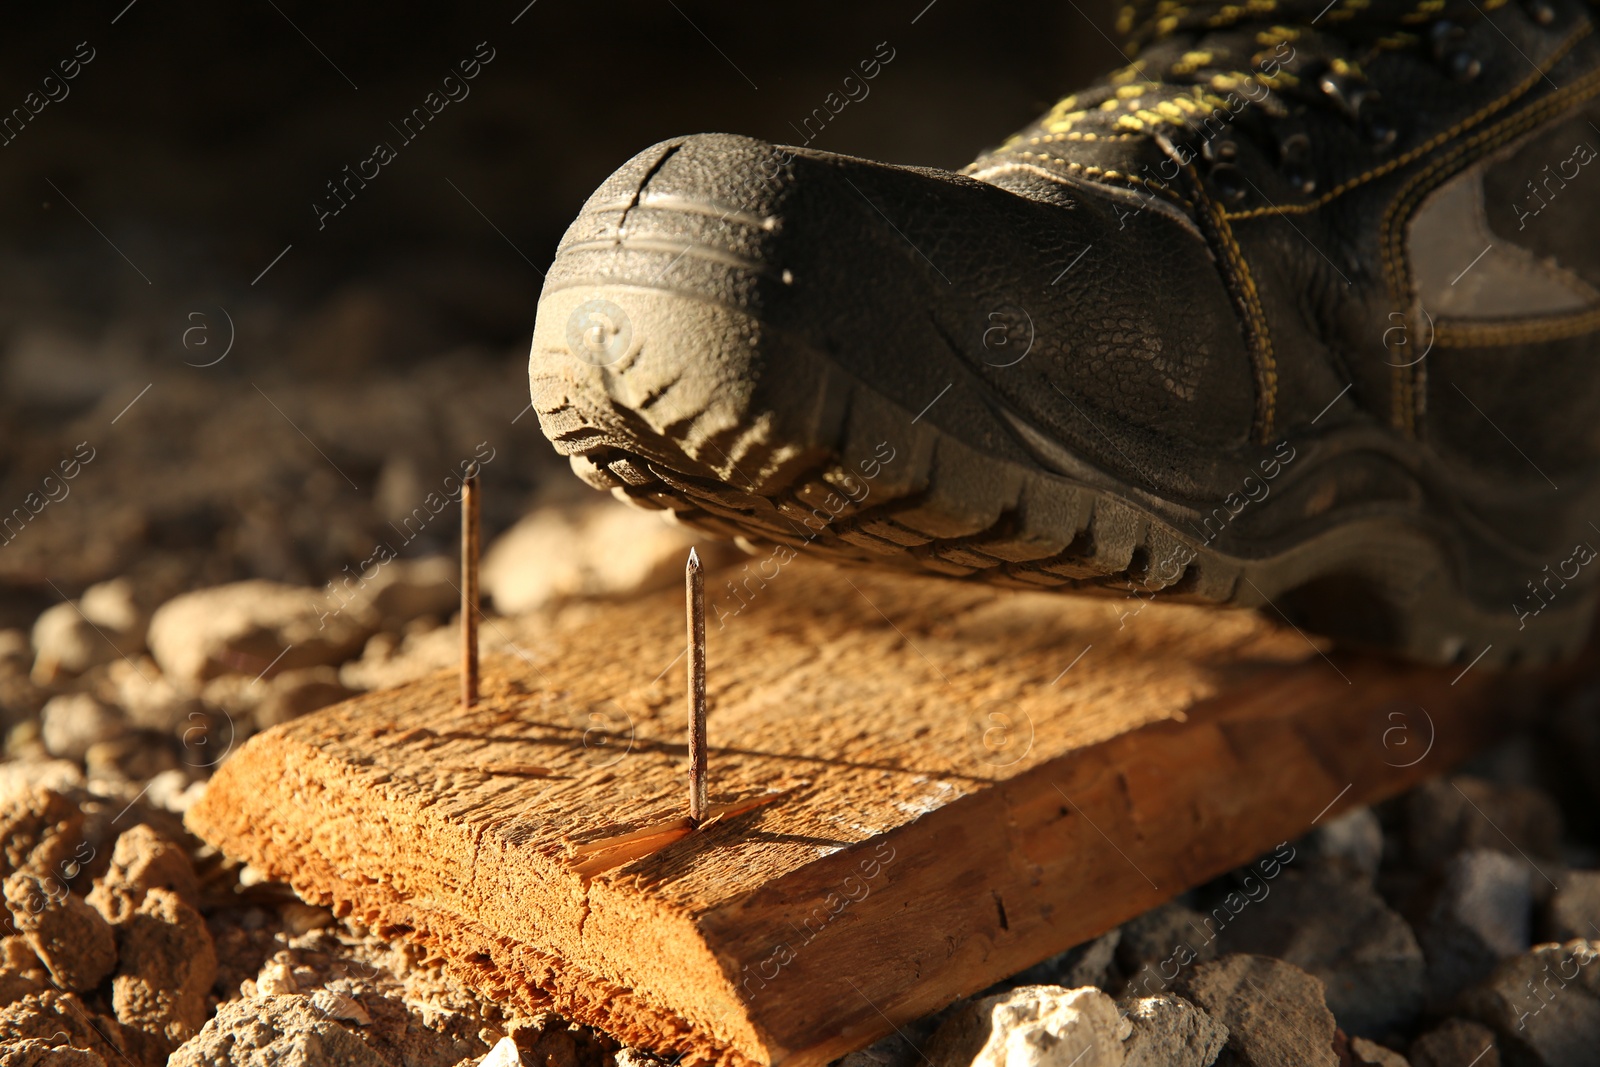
161	207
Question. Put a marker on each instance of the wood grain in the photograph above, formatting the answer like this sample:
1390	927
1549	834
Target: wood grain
926	787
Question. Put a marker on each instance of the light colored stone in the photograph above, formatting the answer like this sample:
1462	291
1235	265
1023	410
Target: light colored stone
72	722
247	628
274	1031
115	609
1033	1026
276	979
1168	1031
598	549
57	775
175	791
300	919
66	644
1273	1010
104	625
504	1054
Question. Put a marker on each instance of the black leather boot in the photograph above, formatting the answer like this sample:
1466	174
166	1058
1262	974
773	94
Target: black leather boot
1296	312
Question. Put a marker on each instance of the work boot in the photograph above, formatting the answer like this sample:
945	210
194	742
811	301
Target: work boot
1296	312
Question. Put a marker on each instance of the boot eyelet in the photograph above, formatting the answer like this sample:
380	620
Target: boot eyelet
1542	12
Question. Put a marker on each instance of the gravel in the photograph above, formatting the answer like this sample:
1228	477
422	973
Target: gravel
1403	934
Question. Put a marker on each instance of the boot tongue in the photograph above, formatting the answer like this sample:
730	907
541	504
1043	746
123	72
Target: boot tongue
1142	22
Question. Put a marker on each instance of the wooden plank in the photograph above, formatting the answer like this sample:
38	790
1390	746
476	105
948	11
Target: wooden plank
929	785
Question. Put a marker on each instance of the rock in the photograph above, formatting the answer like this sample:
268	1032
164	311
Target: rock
1033	1026
293	693
175	791
54	1016
68	936
1082	965
149	699
130	758
338	1006
109	815
1364	1053
504	1054
270	1031
408	589
301	919
598	549
1456	1043
1544	1006
276	979
115	609
1574	910
143	859
16	649
1156	946
1341	931
1481	914
36	1053
66	644
1274	1012
41	832
20	701
21	973
1168	1031
167	965
1446	815
247	628
59	775
640	1058
1351	845
103	625
636	1057
387	661
72	722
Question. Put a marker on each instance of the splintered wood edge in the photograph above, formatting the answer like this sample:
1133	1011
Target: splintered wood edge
963	896
331	864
